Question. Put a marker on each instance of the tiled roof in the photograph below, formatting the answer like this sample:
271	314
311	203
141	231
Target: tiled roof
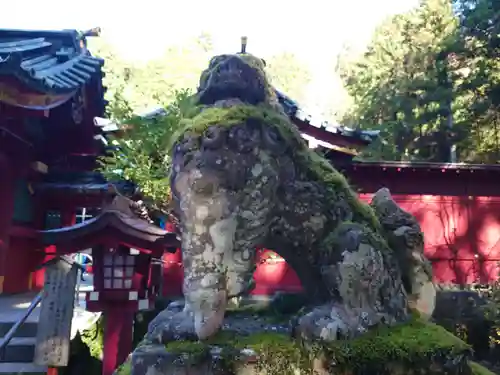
293	110
81	183
337	135
53	62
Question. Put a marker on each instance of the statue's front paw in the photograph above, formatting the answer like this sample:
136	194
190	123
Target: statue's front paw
173	323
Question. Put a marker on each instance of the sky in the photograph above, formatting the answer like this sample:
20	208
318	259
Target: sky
142	28
314	30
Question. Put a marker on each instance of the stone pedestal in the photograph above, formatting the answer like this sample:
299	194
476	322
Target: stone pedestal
412	348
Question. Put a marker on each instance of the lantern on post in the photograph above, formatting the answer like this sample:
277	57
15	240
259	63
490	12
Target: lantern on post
124	244
122	274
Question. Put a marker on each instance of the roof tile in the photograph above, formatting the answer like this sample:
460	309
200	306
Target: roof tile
47	61
292	109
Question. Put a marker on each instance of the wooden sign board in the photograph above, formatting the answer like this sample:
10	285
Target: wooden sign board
54	328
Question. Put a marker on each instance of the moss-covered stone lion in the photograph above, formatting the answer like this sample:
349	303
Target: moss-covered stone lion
243	177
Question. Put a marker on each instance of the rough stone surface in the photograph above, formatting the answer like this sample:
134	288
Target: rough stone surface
415	347
407	241
243	177
157	360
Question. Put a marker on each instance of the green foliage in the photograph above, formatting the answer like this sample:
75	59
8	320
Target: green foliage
141	149
491	311
134	87
289	75
429	82
141	153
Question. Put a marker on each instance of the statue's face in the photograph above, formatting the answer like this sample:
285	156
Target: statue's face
233	77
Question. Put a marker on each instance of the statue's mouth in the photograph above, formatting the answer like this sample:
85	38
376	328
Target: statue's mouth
233	79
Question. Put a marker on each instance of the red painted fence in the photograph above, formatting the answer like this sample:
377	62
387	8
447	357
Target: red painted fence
462	240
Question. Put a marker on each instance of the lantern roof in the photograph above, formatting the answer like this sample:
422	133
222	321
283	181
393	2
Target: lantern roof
120	220
48	61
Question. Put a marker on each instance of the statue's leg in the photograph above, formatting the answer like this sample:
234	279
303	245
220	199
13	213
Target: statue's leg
405	236
204	247
363	275
207	246
222	219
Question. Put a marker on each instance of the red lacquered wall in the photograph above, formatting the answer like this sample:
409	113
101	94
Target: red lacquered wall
273	275
457	206
462	235
462	240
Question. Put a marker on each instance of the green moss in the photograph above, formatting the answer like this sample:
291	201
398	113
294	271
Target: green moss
254	62
124	369
412	343
234	115
318	168
94	338
477	369
277	353
321	170
191	352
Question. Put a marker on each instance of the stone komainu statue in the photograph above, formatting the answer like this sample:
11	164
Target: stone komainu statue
243	177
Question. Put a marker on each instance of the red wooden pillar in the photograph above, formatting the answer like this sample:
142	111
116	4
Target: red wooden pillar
118	331
173	275
7	190
68	218
37	276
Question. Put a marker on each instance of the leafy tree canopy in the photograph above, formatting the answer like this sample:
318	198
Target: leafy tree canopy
140	147
428	80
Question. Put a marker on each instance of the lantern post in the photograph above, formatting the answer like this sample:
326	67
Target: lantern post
126	280
123	285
